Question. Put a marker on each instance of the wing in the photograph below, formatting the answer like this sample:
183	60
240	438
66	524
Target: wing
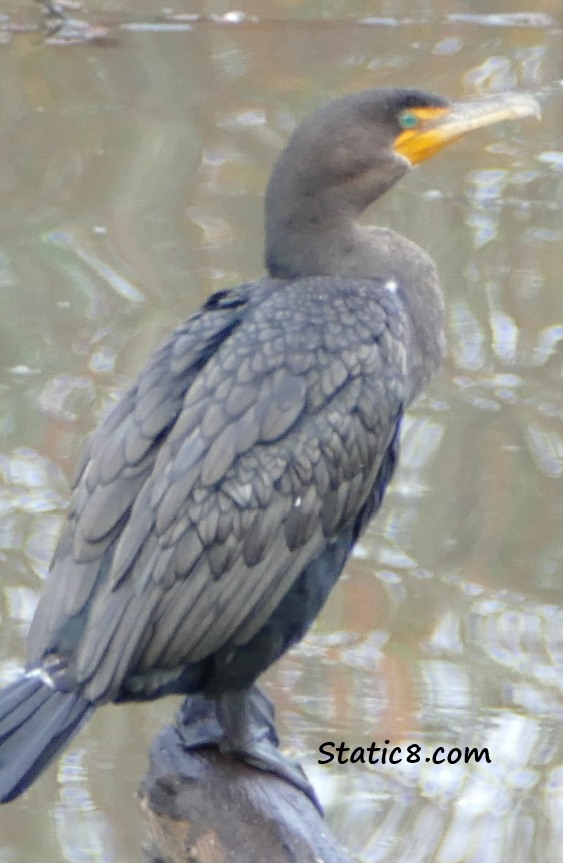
270	453
117	461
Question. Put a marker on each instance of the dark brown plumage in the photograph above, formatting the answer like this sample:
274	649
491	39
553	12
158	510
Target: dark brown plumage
216	505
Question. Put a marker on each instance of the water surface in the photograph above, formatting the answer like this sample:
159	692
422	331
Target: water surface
131	184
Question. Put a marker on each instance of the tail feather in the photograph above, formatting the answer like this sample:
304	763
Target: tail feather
36	721
20	702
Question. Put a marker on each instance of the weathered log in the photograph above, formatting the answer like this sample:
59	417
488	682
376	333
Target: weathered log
205	806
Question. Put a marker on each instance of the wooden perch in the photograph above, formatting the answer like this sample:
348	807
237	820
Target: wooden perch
207	807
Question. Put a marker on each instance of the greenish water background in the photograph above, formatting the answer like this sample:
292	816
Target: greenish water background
131	179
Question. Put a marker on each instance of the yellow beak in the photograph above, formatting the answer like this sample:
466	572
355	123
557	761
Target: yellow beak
438	127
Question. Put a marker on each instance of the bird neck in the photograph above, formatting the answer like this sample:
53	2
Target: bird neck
306	236
312	227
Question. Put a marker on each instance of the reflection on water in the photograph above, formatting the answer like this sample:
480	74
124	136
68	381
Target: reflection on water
81	829
131	181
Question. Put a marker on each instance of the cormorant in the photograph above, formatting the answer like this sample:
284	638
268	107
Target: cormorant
215	506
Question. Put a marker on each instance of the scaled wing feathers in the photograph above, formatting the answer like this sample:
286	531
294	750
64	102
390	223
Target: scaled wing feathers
253	439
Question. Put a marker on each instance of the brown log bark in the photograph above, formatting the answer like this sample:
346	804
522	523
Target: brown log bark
206	807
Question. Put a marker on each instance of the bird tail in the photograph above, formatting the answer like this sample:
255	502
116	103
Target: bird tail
36	721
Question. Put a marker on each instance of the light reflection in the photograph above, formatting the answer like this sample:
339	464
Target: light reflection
83	832
446	636
103	360
553	159
420	441
524	638
448	46
546	448
469	340
506	19
447	689
553	797
216	231
60	391
495	74
42	540
117	282
505	336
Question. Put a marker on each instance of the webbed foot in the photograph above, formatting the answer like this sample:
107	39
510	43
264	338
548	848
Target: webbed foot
241	724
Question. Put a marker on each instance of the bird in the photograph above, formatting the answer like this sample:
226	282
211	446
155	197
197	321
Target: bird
215	506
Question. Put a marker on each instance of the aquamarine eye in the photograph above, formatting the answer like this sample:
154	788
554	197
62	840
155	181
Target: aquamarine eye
408	120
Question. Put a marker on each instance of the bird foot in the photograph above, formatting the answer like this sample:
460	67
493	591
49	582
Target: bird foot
241	724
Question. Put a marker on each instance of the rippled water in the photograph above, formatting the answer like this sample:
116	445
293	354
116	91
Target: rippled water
131	180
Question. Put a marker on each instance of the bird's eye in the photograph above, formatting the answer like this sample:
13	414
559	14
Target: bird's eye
408	120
